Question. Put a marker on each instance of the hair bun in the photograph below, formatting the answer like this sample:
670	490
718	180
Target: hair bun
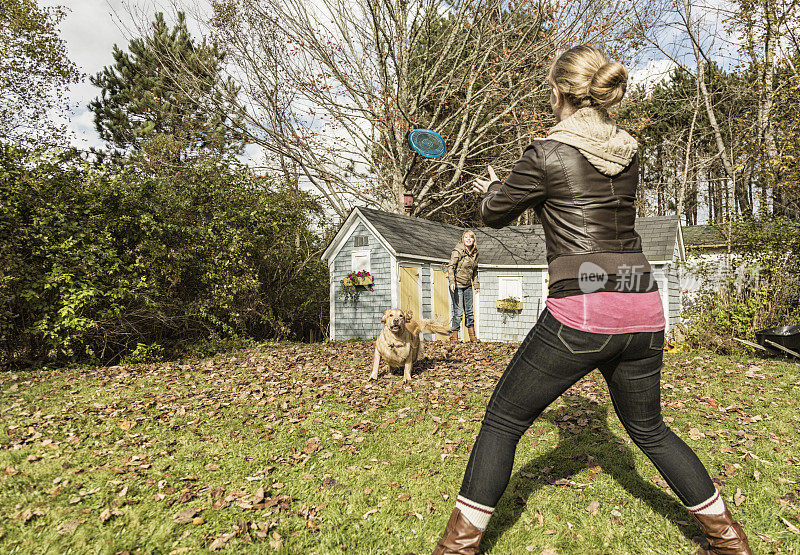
609	84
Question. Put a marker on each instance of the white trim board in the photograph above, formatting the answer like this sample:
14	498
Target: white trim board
394	287
332	303
544	281
423	258
419	296
512	266
681	246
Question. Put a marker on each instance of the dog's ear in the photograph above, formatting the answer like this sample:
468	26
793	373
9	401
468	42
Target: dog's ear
385	315
408	315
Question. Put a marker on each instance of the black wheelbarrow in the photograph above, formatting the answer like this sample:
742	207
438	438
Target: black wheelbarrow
781	339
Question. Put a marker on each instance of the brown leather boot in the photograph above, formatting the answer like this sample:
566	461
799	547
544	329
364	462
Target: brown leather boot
460	536
472	336
725	535
453	335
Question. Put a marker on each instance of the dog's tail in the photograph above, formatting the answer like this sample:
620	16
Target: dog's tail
436	325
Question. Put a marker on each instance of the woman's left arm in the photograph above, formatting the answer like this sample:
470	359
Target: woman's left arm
524	188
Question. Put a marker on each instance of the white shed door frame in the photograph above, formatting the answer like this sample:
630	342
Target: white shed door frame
545	277
664	285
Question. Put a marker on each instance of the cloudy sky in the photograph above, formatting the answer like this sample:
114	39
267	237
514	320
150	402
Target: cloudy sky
90	31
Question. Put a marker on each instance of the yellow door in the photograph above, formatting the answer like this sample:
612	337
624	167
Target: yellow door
464	333
441	298
409	289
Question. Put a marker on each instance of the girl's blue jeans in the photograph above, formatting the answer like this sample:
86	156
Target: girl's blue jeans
462	304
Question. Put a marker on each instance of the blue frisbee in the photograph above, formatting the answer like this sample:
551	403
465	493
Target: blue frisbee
426	143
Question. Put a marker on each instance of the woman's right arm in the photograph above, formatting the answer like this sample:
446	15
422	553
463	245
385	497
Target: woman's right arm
524	188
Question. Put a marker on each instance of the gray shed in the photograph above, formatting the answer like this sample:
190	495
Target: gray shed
407	258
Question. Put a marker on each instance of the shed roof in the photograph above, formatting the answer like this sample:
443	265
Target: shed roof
709	235
509	246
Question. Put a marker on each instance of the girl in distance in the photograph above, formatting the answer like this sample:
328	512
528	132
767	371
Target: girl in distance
462	273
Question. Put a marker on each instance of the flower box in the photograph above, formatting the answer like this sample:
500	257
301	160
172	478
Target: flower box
509	305
359	280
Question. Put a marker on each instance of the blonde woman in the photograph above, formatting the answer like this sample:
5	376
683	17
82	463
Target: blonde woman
462	273
603	310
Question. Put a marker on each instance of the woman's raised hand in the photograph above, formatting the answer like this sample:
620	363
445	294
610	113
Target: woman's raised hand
482	185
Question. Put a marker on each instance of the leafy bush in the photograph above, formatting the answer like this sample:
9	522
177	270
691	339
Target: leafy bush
99	261
760	288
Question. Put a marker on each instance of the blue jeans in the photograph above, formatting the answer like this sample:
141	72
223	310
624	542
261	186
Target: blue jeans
462	304
550	360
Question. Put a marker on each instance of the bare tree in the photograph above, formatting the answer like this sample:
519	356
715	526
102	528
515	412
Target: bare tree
752	36
331	88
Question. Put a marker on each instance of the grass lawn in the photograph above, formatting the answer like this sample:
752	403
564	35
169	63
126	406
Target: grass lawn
288	448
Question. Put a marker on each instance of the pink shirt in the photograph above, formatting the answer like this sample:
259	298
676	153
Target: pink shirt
610	311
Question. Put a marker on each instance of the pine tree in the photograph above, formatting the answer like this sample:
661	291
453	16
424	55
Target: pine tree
167	97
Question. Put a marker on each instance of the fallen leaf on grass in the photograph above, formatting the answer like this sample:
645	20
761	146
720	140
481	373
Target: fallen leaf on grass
258	497
657	480
593	507
276	541
186	496
792	528
11	471
312	446
211	467
186	516
738	498
108	513
70	526
370	512
28	514
694	433
220	542
127	424
764	537
753	372
403	497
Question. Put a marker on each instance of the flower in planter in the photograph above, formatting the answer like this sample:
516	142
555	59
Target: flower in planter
353	282
509	304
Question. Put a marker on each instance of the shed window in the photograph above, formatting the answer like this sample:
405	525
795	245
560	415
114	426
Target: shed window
509	286
360	241
360	261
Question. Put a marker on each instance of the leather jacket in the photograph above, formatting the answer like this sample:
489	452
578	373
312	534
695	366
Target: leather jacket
586	215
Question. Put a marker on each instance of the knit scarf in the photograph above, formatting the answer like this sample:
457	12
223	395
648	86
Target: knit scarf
592	131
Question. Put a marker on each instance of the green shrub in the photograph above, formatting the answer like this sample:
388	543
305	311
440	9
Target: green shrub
97	262
760	288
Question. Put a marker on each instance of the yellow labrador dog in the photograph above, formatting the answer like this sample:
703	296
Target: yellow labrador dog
398	343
